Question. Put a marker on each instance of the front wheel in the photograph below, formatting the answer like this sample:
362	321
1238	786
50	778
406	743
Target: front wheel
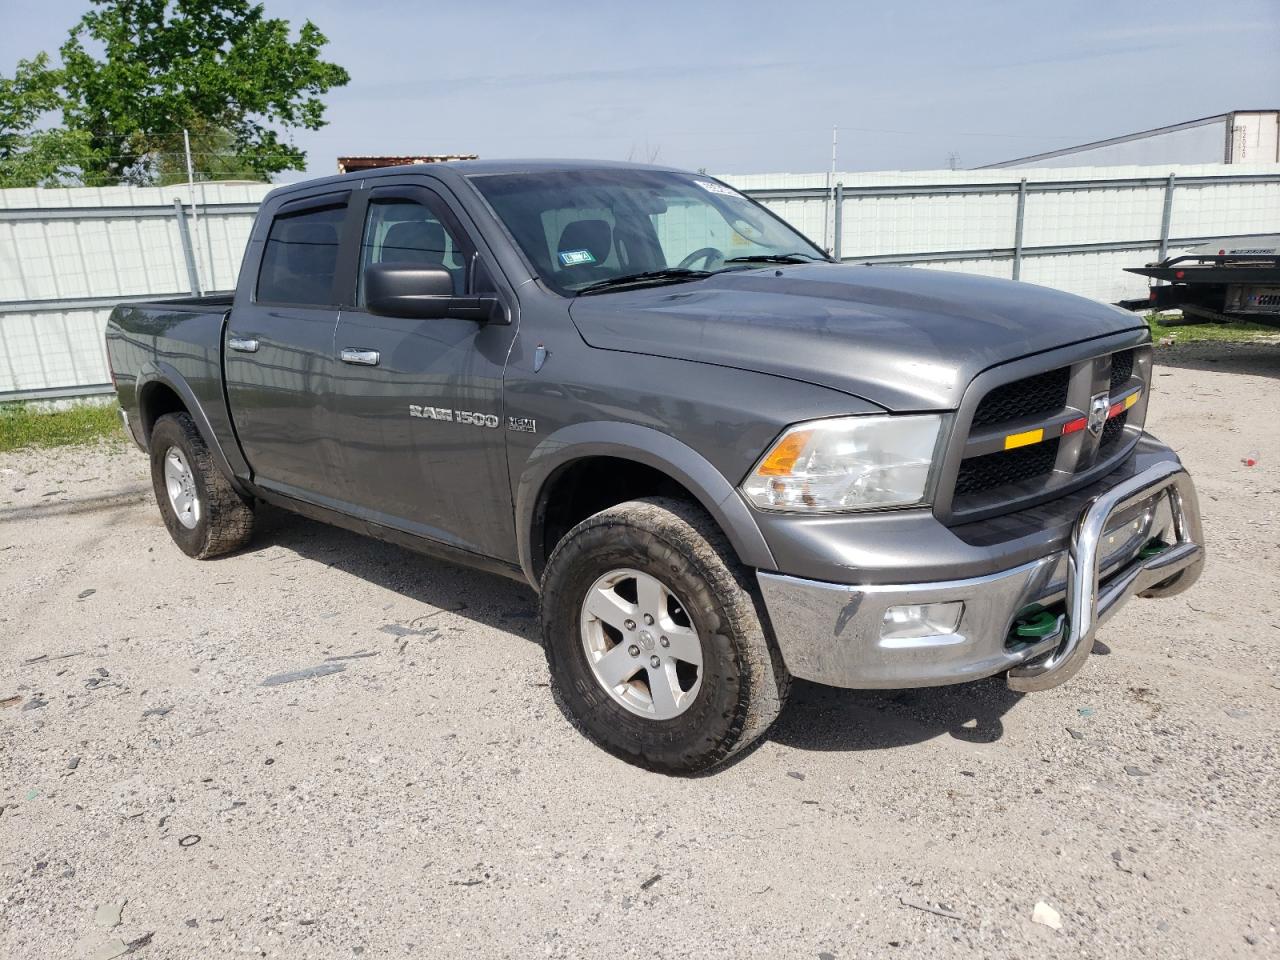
656	650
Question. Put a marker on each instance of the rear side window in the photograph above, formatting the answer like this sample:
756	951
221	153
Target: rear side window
301	258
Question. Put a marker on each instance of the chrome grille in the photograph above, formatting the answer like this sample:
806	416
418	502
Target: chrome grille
1000	468
1113	430
1043	393
1121	368
992	470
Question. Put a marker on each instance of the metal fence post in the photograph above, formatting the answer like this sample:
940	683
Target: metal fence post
839	226
1017	229
1166	218
184	234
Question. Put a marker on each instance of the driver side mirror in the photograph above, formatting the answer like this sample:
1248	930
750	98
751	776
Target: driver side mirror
423	293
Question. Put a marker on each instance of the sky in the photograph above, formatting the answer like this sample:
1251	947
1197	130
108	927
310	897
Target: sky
752	87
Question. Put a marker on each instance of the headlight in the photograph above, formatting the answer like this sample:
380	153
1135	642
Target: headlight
849	463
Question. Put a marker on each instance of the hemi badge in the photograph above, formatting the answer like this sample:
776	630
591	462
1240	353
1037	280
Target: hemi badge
1023	439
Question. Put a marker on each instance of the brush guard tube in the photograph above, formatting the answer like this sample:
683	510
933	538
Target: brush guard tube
1089	603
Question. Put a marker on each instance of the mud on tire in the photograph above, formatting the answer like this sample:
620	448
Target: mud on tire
224	519
743	682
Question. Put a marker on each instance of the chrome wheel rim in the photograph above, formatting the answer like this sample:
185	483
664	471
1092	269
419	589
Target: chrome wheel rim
180	484
641	644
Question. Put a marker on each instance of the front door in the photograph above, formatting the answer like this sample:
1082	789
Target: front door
418	406
279	353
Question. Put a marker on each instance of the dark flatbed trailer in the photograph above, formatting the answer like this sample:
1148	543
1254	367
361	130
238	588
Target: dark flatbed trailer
1218	283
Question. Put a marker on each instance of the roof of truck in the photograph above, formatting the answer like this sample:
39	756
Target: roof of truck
460	169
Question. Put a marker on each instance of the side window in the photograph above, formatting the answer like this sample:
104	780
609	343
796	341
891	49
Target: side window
301	257
405	231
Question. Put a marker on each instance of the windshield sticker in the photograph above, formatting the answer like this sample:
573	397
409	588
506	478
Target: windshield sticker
576	258
719	188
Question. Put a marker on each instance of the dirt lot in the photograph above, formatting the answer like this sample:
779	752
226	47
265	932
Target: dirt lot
429	799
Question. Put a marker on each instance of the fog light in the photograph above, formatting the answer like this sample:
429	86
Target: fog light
912	620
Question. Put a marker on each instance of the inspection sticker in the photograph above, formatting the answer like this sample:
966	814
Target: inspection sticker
576	258
719	188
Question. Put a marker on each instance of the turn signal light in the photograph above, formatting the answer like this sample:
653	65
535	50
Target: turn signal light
782	458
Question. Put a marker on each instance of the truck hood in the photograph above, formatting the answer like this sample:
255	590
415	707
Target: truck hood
903	338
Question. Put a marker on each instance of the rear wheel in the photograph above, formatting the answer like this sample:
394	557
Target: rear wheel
656	649
202	511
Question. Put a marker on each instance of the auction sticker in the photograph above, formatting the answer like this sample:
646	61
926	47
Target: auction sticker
719	188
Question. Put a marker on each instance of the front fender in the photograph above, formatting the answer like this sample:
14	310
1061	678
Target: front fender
645	445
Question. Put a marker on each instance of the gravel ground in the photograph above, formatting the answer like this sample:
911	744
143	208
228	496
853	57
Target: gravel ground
430	800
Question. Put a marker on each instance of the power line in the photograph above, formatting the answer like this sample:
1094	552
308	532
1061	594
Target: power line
972	133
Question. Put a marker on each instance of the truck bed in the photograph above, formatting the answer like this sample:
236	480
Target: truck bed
178	340
1219	283
218	300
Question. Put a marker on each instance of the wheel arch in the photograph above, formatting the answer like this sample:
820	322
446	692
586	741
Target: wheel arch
659	454
156	398
161	389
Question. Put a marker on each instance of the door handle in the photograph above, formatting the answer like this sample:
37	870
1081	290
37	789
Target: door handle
243	344
368	358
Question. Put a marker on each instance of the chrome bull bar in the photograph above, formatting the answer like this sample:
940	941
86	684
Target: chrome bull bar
1088	603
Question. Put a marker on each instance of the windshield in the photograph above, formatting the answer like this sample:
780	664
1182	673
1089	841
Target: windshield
589	230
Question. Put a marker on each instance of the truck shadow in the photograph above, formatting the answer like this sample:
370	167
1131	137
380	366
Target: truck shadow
816	717
826	718
485	598
1258	359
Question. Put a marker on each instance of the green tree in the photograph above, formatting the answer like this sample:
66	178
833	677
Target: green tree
136	73
29	156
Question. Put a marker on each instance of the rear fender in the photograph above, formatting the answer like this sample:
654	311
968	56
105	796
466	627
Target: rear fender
159	373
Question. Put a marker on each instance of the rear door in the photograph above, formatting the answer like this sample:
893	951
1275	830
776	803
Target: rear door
279	350
419	402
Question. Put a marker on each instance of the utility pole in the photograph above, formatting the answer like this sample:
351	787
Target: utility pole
191	190
829	202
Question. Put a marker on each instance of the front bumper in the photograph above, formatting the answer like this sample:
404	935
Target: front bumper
831	633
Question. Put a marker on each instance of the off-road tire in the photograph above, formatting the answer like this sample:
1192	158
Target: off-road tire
226	518
744	682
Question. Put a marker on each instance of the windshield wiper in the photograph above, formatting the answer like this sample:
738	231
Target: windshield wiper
672	275
775	258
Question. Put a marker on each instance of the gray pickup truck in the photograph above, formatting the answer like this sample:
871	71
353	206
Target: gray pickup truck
721	459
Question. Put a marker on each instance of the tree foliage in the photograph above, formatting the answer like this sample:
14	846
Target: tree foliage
136	73
31	157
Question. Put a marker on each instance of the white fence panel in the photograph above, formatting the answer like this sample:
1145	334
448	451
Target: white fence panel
1094	216
67	254
1080	226
922	224
1221	210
